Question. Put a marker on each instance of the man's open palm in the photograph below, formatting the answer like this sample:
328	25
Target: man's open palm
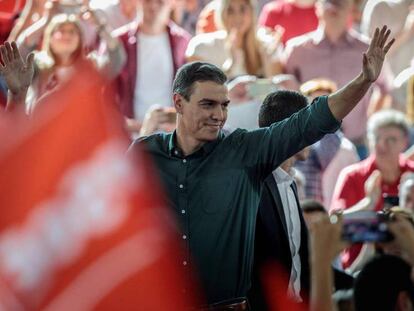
374	56
17	73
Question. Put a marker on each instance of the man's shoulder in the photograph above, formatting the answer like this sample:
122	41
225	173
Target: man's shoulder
359	170
302	41
358	39
178	31
152	143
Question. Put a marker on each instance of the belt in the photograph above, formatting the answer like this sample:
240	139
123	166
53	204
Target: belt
239	304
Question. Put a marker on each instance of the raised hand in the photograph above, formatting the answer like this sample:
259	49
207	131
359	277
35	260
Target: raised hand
373	58
17	73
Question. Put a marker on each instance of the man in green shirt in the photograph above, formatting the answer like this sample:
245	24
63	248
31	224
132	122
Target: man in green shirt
213	181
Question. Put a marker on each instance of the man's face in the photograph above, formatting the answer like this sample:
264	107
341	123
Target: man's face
389	142
204	114
154	10
335	13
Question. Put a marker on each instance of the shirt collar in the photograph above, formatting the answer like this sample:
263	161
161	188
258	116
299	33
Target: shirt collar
174	151
281	176
371	163
319	37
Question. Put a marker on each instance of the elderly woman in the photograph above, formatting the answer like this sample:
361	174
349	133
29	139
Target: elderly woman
236	48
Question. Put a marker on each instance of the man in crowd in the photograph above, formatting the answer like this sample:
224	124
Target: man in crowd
155	48
388	138
333	52
281	234
213	181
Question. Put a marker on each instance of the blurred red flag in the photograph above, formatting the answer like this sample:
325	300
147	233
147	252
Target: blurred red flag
82	226
275	280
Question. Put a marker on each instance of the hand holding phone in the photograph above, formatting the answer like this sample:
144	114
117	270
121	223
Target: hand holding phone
366	226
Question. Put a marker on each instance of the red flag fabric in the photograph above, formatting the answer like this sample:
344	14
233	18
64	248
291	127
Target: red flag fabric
82	226
274	279
10	9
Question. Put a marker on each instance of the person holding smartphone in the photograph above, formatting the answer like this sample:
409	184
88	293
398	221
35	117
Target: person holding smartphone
384	283
361	186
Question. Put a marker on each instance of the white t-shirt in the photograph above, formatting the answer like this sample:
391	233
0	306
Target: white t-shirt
154	73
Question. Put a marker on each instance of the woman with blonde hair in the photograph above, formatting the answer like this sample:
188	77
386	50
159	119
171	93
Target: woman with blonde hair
236	48
62	53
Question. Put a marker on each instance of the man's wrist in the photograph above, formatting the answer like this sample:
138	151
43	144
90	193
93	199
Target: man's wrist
363	79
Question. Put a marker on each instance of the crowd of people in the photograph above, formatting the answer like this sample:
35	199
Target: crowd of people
272	126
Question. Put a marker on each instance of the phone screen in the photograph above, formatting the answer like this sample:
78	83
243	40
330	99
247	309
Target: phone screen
366	226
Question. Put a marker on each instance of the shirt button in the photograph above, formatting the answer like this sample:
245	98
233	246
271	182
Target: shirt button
184	237
176	152
184	263
181	186
184	161
183	211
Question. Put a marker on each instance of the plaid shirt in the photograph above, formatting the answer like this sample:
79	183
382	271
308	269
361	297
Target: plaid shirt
320	156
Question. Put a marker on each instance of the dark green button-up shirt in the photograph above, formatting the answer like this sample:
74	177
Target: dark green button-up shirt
215	193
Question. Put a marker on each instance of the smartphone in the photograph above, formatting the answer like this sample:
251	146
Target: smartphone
260	88
365	226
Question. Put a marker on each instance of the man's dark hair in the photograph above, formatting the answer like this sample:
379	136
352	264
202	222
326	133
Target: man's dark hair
310	206
280	105
190	73
380	281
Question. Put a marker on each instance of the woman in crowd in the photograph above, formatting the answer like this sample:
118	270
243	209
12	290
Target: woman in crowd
236	48
62	53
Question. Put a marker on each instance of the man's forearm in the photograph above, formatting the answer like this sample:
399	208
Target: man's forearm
321	284
345	99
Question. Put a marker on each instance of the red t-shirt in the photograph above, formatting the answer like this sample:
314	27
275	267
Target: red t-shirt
10	9
295	20
349	190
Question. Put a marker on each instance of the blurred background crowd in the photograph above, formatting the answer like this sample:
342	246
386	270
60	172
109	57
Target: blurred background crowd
309	46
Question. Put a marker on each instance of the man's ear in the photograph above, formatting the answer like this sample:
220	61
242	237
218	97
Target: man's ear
178	102
404	302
